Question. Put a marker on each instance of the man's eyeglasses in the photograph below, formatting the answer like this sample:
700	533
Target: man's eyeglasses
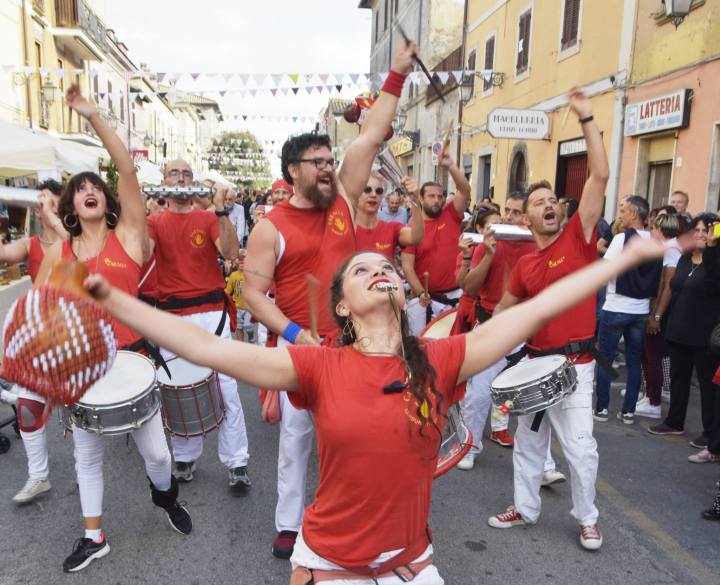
320	163
378	190
175	174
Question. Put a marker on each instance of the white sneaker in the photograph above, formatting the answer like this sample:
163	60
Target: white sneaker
648	410
467	462
32	489
641	401
552	476
590	537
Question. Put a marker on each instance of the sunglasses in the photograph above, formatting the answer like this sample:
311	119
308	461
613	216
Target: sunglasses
378	190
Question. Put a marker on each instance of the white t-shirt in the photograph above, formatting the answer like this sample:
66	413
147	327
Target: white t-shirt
672	255
614	302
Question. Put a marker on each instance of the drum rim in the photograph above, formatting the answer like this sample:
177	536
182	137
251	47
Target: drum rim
564	366
434	320
162	386
122	402
161	372
114	405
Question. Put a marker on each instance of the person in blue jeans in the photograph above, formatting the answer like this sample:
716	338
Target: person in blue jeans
625	311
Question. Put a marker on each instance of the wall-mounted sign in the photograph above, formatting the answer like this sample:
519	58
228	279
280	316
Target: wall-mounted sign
518	124
436	150
402	146
657	114
573	147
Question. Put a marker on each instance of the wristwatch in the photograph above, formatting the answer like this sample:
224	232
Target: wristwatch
657	317
222	213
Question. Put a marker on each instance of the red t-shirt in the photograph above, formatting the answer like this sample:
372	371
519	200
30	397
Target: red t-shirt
120	270
538	270
507	254
434	254
187	257
35	257
317	242
376	469
384	238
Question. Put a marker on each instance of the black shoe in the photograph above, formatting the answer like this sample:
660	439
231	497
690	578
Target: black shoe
713	513
239	480
84	552
700	442
184	471
284	544
179	518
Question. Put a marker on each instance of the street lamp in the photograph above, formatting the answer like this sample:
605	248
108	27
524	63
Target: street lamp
677	10
48	91
401	120
467	85
147	141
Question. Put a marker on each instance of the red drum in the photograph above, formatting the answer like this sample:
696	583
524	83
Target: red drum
456	437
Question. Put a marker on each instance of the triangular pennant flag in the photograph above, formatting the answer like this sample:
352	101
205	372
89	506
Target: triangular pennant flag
324	78
295	119
277	78
259	78
273	91
244	117
161	76
339	88
309	89
94	72
228	76
295	90
443	76
222	92
354	77
194	76
294	78
383	77
458	75
320	88
244	78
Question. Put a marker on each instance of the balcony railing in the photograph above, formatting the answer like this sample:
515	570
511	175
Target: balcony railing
77	14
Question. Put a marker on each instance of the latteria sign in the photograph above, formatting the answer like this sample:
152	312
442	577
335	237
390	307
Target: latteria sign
518	124
658	114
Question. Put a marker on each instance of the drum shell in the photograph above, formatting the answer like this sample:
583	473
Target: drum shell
455	443
192	410
113	419
539	394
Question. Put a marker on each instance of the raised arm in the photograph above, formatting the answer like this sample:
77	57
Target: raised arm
477	276
462	187
131	228
593	194
227	243
496	337
412	235
357	164
254	365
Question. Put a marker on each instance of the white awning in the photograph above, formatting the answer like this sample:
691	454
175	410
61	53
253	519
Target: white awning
18	197
24	151
149	173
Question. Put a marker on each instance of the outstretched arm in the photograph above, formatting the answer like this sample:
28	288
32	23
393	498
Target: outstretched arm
462	187
356	167
132	229
496	337
254	365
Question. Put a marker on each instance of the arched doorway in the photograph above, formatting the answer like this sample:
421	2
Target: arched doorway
518	173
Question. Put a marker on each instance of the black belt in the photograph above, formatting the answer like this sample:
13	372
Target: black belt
216	296
439	298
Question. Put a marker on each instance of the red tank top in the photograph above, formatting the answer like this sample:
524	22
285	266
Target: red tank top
317	241
35	257
148	286
120	270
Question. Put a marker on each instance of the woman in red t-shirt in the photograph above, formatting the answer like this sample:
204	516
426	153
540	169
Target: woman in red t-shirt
114	245
378	404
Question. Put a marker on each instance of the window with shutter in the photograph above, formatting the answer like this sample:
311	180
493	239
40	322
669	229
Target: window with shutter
571	24
489	61
471	63
523	50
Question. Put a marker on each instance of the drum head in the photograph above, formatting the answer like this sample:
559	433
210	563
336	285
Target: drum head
528	371
440	326
130	375
183	373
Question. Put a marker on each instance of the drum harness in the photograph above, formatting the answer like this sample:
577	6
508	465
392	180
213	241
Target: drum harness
439	298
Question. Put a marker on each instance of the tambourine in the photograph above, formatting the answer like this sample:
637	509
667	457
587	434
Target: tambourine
179	191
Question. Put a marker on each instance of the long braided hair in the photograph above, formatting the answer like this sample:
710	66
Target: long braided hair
421	375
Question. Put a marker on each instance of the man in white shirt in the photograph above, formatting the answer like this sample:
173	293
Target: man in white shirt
625	311
237	217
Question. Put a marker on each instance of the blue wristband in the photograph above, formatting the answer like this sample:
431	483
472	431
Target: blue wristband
292	330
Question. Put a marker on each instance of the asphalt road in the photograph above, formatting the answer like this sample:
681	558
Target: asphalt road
649	496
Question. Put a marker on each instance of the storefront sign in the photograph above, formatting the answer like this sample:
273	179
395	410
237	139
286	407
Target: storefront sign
404	145
573	147
658	114
518	124
139	155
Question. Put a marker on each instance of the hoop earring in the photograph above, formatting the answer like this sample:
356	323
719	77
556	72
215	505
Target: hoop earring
111	219
68	225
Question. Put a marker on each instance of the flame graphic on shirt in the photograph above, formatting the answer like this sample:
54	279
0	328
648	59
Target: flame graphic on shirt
198	238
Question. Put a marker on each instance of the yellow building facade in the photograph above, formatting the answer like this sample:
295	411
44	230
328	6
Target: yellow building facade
536	51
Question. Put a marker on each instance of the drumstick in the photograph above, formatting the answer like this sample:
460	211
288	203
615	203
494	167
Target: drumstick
446	140
312	288
422	66
565	119
426	282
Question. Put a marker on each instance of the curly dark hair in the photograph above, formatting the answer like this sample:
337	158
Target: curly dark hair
66	208
532	188
295	147
422	375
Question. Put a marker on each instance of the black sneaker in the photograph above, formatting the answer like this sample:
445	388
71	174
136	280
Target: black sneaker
179	518
239	480
184	471
663	429
84	552
700	442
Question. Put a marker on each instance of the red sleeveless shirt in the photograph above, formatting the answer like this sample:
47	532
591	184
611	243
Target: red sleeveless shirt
120	270
317	241
35	257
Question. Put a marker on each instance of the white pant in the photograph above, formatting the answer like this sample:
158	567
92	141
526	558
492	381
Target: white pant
572	422
90	451
296	439
417	314
477	402
35	444
232	439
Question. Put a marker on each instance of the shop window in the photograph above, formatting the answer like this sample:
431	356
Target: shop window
571	24
523	48
659	178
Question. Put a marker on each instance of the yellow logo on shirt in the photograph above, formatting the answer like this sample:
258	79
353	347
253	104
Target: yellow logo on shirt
441	226
113	264
337	223
198	238
556	263
381	246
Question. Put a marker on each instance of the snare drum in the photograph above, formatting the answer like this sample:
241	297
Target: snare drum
456	437
120	402
534	385
192	403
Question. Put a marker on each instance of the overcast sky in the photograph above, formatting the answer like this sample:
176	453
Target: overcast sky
270	36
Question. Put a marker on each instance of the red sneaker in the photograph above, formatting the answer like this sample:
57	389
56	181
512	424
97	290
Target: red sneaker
284	544
511	517
502	438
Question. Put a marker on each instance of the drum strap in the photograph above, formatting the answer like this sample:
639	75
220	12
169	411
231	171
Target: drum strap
152	350
438	298
577	347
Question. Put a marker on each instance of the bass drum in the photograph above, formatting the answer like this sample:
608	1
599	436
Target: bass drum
456	437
